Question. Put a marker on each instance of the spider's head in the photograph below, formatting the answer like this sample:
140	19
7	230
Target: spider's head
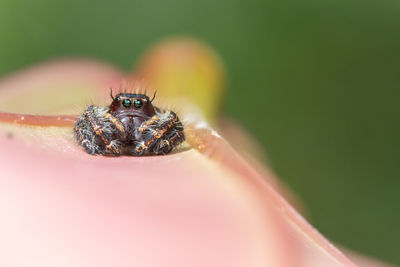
134	105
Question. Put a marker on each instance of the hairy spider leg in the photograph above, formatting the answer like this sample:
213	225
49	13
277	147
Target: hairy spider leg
95	124
84	138
171	139
177	135
151	139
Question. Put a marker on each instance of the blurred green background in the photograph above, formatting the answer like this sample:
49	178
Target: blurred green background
324	77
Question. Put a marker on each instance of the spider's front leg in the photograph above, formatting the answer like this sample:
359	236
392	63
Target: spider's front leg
85	137
96	129
160	134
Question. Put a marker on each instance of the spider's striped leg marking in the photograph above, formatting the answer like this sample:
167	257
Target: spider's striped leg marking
154	134
111	146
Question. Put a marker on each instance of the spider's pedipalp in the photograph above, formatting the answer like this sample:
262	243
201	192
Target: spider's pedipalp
116	123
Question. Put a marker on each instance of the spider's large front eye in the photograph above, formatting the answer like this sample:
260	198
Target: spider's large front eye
126	103
138	103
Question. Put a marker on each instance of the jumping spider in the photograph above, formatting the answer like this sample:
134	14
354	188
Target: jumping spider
130	125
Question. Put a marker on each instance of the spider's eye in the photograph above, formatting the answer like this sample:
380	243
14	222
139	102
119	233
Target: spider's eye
138	103
126	103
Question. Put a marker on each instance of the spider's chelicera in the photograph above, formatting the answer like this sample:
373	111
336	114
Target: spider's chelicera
130	125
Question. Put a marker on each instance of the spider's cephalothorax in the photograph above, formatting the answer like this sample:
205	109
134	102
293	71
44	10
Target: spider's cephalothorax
130	125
